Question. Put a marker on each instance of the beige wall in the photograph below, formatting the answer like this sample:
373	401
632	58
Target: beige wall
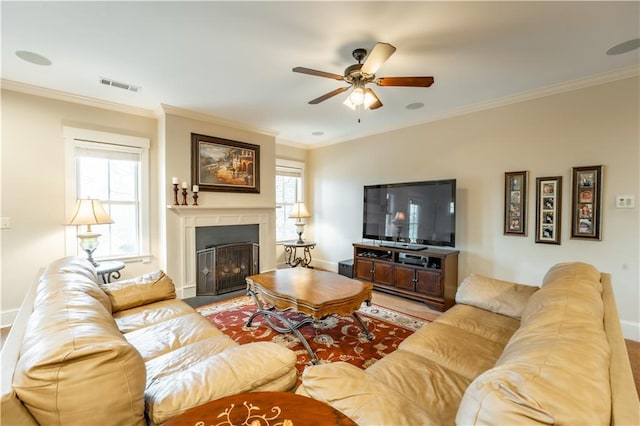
177	133
33	184
546	136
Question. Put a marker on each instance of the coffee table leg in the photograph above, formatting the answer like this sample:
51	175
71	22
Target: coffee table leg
364	326
289	325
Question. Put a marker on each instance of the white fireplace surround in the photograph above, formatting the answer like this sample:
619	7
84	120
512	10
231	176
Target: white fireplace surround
192	217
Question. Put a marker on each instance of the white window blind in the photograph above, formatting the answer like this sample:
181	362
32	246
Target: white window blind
289	190
114	169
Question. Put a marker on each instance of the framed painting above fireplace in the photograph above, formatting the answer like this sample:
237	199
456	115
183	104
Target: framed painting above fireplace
224	165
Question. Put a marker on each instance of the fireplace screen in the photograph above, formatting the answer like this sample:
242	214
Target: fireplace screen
223	268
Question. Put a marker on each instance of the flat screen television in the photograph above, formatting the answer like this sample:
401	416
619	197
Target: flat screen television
412	215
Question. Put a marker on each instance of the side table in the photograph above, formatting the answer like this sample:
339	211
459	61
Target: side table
109	270
291	252
264	408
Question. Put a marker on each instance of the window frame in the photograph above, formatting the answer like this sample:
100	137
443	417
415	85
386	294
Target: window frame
291	164
74	137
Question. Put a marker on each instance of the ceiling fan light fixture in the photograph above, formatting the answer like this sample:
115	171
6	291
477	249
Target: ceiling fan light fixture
360	97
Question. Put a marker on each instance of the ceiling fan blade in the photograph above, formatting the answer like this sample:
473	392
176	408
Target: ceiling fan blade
317	73
328	95
376	103
378	56
405	81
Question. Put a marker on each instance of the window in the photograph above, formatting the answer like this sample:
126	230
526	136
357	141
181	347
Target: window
289	190
114	169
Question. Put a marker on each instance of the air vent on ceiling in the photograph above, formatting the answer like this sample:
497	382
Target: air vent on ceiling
119	84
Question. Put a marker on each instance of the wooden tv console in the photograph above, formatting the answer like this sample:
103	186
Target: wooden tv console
429	275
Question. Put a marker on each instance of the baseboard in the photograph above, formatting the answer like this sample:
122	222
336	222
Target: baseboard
325	265
8	317
630	330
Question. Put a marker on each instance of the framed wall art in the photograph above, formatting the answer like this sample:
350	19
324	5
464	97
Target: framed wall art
586	202
515	203
548	208
224	165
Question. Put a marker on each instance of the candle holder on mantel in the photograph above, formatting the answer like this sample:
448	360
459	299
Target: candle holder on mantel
195	198
184	197
175	195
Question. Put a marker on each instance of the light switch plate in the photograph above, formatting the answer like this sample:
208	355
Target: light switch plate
5	223
625	201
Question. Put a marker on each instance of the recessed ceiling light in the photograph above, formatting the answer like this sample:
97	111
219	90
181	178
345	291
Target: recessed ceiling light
318	133
415	105
624	47
32	57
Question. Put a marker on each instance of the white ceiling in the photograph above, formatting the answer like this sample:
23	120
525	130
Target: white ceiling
233	60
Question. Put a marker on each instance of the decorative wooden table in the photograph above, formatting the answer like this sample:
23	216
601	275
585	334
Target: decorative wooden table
262	409
291	252
315	293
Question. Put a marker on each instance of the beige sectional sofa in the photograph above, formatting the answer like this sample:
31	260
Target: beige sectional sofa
505	354
126	353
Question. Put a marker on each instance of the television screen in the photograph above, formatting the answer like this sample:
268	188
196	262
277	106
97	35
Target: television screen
412	215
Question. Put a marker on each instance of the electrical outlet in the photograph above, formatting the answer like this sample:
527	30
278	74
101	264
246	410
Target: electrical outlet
625	201
5	223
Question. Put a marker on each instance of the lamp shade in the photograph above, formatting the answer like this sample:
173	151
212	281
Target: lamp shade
299	211
89	212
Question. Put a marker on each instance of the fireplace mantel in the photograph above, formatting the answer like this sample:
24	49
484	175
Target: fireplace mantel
192	217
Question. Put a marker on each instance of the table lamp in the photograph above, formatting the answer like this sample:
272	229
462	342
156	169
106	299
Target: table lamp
299	212
89	212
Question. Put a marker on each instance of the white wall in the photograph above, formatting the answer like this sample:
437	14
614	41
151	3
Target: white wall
33	185
547	137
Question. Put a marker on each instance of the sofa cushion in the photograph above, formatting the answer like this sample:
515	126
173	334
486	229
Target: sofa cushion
169	335
73	352
143	316
555	368
363	398
422	381
140	291
502	297
211	369
458	350
495	327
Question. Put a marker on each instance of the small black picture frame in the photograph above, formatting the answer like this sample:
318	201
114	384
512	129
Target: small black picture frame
515	203
548	209
586	202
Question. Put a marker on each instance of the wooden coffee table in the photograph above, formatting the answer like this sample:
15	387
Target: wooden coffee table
267	408
315	293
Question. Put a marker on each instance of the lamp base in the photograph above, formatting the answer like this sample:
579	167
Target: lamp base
299	231
90	257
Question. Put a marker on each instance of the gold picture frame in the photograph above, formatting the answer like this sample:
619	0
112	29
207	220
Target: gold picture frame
224	165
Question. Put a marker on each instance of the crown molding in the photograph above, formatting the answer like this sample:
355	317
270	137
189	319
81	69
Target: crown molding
554	89
185	113
77	99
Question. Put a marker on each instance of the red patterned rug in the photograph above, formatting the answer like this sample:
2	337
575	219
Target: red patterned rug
332	339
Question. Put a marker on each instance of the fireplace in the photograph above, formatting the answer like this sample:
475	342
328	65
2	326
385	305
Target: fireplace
223	268
225	256
194	219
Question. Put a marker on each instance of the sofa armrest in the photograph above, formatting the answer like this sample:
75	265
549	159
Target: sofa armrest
361	397
145	289
502	297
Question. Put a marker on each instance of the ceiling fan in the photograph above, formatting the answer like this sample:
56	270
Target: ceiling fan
360	74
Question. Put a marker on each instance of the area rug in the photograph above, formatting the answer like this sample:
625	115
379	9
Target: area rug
332	339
